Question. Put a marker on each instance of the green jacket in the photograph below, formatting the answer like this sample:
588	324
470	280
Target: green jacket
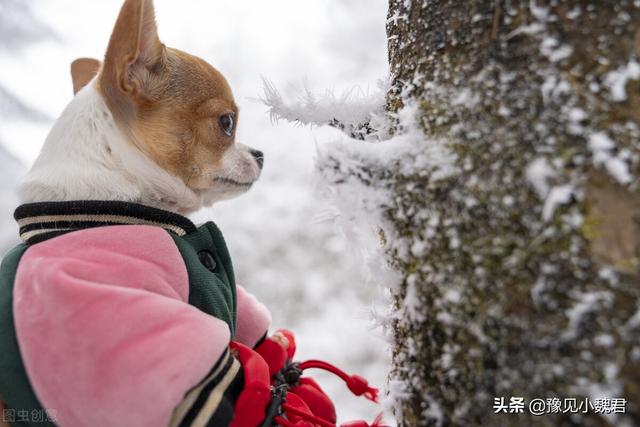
111	308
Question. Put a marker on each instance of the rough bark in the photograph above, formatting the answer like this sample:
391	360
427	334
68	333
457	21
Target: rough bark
510	302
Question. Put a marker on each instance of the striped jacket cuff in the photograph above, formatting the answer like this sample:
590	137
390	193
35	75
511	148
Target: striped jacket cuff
211	402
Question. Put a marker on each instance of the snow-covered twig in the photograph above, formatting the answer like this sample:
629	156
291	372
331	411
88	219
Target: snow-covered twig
353	112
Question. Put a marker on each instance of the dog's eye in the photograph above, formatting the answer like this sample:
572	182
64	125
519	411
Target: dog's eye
226	124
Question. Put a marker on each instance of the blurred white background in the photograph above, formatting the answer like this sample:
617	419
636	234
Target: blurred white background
283	247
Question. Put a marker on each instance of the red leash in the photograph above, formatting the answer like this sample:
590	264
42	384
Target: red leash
357	384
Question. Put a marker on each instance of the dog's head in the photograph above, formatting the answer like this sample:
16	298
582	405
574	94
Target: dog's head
174	107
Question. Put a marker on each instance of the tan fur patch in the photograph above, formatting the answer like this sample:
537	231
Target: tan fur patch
178	127
82	71
167	101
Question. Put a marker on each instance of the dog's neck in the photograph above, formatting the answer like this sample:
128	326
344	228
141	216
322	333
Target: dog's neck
86	157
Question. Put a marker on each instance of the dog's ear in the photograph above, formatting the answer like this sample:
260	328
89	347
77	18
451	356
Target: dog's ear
82	71
133	56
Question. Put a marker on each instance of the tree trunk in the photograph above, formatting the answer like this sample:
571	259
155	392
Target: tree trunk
521	268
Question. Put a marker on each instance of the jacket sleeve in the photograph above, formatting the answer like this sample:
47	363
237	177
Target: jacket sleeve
107	336
254	319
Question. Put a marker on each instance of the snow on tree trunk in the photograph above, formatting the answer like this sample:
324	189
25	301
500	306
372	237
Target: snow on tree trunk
504	189
521	264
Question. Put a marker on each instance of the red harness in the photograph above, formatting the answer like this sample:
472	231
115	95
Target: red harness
276	394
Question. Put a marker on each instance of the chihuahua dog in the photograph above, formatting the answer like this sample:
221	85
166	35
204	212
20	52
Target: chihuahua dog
150	125
116	309
135	306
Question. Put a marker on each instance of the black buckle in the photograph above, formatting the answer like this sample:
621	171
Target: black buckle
278	395
289	375
286	378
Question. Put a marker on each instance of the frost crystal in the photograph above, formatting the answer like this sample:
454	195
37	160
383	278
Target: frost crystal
351	110
538	173
617	80
602	148
557	196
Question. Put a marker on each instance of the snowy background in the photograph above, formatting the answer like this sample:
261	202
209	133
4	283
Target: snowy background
284	236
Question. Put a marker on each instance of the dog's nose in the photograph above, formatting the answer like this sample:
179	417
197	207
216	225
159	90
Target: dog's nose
259	156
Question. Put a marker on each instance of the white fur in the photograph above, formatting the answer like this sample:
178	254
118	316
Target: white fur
86	157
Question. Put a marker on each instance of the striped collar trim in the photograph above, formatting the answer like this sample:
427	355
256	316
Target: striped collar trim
41	221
